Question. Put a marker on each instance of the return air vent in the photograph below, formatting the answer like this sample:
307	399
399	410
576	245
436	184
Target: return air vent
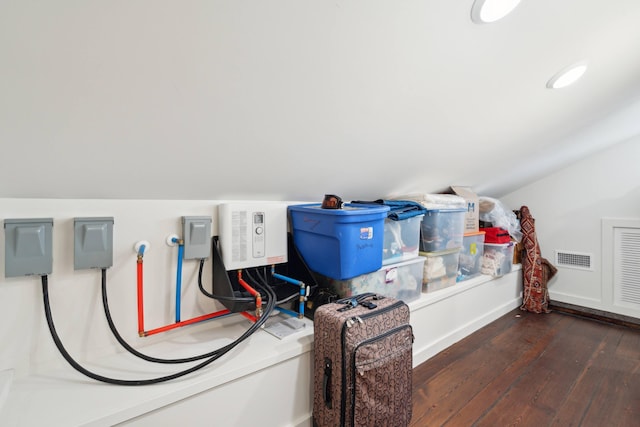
577	260
626	273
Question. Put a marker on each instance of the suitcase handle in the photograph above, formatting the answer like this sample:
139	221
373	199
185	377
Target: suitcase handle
351	302
326	383
357	298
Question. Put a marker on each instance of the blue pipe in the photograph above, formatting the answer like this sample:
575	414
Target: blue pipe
141	250
285	311
301	305
179	280
299	283
287	279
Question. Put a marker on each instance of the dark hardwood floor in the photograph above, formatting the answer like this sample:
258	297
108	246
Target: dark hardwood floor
529	369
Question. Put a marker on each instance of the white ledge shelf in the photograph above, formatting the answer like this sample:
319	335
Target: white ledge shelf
64	397
430	298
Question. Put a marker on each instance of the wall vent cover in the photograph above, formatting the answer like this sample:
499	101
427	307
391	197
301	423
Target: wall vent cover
577	260
626	273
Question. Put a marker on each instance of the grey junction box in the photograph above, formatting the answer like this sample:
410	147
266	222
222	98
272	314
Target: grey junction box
92	243
28	247
197	236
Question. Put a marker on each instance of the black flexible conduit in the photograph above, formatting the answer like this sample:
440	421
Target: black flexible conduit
123	343
264	279
220	352
218	297
239	299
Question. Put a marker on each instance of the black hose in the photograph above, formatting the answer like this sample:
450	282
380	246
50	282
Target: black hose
271	298
218	297
202	289
264	279
97	377
129	348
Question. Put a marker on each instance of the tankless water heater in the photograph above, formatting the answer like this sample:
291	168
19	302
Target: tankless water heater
252	234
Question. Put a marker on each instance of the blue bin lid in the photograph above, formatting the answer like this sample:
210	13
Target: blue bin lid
348	209
398	209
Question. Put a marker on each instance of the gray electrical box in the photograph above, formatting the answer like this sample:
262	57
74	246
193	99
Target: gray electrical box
92	243
28	247
197	236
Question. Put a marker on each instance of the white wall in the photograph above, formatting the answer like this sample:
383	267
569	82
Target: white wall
569	206
75	295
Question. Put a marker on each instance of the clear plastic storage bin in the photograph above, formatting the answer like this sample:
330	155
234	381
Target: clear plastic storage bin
471	255
497	259
401	239
440	269
442	229
402	281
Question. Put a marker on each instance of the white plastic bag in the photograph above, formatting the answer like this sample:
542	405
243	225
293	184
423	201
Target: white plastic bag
495	212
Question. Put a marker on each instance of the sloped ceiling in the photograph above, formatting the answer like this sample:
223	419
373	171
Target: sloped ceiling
289	100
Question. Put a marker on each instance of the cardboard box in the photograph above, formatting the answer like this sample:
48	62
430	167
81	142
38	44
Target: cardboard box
471	220
517	253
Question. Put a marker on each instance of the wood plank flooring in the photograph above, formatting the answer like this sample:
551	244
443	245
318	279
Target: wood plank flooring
535	370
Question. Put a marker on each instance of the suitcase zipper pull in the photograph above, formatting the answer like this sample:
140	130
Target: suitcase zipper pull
352	321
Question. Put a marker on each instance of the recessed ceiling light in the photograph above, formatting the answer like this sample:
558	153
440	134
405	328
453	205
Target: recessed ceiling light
567	76
486	11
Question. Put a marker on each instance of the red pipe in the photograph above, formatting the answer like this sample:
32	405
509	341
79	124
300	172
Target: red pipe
186	322
253	293
140	302
251	317
141	330
245	285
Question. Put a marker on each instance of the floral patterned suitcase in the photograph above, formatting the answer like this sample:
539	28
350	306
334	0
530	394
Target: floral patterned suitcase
363	363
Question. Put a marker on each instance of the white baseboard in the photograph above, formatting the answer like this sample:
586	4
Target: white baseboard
446	316
429	350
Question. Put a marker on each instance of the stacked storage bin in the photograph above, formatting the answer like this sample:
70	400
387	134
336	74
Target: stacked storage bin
441	240
401	273
401	280
397	271
497	259
471	255
339	243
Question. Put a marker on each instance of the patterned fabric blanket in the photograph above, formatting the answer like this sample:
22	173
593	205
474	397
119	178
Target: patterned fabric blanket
536	271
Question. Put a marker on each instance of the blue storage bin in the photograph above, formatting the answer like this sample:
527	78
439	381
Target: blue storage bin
339	243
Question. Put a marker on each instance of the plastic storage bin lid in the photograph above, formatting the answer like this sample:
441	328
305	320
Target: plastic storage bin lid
398	209
475	233
445	210
500	245
436	201
439	253
348	209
